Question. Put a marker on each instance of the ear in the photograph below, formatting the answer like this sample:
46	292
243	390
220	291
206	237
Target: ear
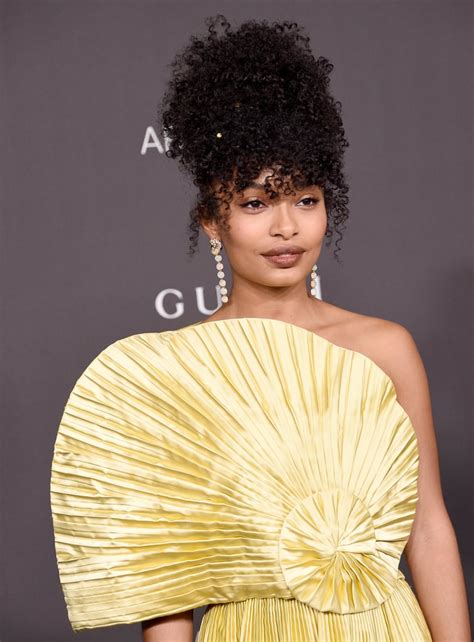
211	228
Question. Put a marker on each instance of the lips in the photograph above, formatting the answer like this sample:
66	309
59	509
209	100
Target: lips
284	249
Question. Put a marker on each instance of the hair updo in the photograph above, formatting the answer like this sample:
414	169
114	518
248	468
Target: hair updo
239	102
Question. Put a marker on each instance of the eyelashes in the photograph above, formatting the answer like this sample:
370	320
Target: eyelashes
257	200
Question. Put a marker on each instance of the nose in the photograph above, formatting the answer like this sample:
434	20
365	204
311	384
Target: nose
284	220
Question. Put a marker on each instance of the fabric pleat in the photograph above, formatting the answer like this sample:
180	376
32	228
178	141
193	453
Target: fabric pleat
399	619
248	464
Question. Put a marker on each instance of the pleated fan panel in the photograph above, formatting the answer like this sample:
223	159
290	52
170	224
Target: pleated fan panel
231	459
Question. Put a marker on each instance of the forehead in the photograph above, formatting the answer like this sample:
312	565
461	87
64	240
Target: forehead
268	176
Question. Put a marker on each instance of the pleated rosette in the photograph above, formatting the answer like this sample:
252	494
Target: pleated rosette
233	459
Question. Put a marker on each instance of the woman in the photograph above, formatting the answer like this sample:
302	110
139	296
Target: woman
274	461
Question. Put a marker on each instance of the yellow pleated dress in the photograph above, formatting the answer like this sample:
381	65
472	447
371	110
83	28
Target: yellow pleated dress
248	465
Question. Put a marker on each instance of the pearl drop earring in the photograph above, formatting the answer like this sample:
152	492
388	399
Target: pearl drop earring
315	282
215	249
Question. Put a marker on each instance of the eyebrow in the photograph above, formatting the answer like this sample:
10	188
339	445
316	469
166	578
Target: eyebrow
261	186
256	185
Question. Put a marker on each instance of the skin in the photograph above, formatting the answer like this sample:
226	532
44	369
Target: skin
172	628
261	289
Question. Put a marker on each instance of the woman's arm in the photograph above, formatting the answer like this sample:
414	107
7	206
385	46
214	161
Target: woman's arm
171	628
431	552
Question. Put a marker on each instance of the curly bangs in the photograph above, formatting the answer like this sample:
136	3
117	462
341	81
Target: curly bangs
240	102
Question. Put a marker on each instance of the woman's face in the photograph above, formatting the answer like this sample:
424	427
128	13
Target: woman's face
259	225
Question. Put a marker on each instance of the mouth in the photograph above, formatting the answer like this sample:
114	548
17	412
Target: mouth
283	260
284	250
282	254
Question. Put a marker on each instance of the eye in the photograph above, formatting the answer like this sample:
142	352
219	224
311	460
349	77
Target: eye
255	200
310	198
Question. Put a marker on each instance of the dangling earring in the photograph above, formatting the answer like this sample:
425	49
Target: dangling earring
315	283
215	249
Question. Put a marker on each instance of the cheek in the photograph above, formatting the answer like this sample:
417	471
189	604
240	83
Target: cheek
245	234
314	230
322	227
321	223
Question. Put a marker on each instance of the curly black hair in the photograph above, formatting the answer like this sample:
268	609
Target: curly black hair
239	102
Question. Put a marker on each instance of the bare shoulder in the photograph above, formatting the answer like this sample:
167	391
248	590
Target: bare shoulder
392	347
388	343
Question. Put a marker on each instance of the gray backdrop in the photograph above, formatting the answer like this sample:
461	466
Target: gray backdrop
94	226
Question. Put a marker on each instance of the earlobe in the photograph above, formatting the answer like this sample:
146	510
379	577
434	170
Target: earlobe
210	228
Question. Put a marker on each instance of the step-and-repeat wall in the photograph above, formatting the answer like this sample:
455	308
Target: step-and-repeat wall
95	238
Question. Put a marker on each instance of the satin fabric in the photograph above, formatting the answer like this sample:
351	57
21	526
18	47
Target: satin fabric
399	619
248	464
